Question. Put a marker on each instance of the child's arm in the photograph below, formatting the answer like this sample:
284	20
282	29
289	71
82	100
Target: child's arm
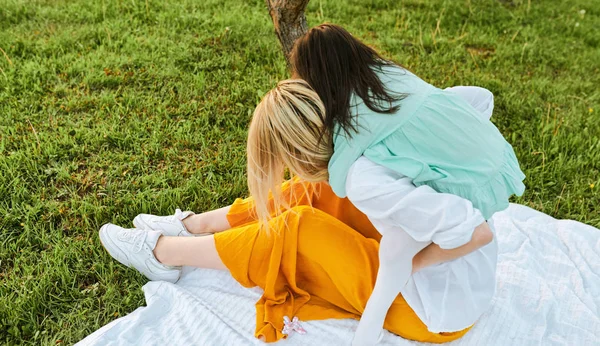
434	254
392	202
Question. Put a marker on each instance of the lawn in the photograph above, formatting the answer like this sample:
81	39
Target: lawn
111	108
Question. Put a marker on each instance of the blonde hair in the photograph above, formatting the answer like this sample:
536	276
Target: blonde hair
287	132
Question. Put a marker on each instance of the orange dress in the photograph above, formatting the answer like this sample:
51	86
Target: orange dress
318	261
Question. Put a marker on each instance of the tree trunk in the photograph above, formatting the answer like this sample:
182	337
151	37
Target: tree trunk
289	22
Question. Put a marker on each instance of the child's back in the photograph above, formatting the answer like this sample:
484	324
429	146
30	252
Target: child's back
436	138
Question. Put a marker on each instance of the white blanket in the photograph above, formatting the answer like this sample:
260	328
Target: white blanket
548	294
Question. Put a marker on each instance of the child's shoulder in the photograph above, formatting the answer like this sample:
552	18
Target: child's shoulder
393	71
399	79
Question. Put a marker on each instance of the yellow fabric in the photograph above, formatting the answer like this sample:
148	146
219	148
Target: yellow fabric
317	263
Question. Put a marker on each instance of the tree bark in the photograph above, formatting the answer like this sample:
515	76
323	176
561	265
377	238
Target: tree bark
289	22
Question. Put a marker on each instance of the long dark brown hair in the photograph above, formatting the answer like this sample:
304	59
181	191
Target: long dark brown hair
336	65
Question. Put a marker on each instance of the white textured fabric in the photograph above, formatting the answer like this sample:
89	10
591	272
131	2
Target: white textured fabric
548	293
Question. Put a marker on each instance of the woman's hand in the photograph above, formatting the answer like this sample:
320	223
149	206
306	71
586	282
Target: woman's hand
433	254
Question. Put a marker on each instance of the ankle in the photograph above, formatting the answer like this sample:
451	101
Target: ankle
197	224
160	252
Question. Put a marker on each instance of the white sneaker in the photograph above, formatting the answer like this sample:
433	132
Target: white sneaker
133	248
171	225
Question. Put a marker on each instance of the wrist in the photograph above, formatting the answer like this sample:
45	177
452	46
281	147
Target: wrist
482	235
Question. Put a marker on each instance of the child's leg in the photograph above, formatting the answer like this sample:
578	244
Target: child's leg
396	253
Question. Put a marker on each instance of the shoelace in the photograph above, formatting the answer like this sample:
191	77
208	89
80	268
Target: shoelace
135	237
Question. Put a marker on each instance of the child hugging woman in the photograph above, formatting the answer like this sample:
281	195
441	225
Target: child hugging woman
386	218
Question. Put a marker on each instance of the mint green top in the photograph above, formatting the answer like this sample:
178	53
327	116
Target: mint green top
436	138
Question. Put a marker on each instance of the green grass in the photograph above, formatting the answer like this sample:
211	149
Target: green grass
116	107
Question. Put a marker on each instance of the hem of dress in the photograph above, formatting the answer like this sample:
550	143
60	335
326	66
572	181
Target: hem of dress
421	314
439	329
436	331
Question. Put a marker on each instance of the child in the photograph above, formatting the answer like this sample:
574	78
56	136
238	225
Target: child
388	125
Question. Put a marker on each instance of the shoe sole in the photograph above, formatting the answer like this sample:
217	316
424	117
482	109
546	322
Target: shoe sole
112	249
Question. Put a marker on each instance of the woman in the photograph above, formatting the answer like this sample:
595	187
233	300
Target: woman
318	256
